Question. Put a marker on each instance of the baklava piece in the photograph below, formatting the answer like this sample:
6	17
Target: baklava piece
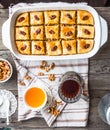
84	17
84	46
68	17
85	31
22	33
23	47
51	17
53	48
38	48
23	20
52	32
36	32
67	32
69	47
36	18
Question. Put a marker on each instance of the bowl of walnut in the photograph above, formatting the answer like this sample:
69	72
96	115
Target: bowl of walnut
5	70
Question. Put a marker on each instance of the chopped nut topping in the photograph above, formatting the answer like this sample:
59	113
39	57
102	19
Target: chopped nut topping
87	31
21	83
1	76
40	74
27	77
56	112
1	70
54	48
37	47
44	63
86	46
68	47
38	31
47	69
86	17
69	16
51	77
68	33
23	47
41	67
1	63
21	19
59	102
36	17
22	32
52	65
51	32
4	70
52	17
53	110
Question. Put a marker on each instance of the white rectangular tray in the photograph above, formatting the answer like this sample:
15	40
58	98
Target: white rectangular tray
101	31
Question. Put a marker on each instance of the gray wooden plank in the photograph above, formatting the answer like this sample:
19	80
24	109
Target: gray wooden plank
97	3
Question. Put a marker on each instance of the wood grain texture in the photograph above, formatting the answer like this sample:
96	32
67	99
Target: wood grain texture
94	3
99	83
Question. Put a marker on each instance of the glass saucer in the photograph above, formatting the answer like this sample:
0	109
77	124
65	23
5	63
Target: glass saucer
12	100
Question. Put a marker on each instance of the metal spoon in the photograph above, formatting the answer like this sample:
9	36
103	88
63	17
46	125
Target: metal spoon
1	100
7	110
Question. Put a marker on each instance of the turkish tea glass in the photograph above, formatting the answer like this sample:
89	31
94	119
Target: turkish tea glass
70	88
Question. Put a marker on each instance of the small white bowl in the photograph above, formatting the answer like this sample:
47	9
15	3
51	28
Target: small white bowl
11	70
37	108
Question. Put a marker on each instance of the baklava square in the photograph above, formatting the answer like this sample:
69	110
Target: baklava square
69	47
51	17
36	18
52	32
53	48
23	47
84	17
38	48
68	17
23	20
36	32
22	33
85	31
84	46
67	32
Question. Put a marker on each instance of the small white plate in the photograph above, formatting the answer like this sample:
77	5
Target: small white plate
13	103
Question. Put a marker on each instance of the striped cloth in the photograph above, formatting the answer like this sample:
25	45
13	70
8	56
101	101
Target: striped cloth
72	115
75	114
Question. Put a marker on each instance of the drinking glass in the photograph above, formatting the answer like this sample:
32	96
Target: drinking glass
104	108
71	87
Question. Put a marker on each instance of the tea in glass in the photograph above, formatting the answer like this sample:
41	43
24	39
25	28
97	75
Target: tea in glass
70	87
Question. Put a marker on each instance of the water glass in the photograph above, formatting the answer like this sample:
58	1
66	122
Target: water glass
104	108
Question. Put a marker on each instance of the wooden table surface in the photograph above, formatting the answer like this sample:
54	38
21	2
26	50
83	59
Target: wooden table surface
94	3
99	82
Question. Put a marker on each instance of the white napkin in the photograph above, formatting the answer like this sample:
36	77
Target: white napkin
71	114
75	114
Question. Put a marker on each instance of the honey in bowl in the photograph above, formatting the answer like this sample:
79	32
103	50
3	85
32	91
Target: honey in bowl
35	97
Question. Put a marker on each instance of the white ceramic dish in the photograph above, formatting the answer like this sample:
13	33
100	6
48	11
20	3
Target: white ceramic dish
101	32
13	103
11	70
